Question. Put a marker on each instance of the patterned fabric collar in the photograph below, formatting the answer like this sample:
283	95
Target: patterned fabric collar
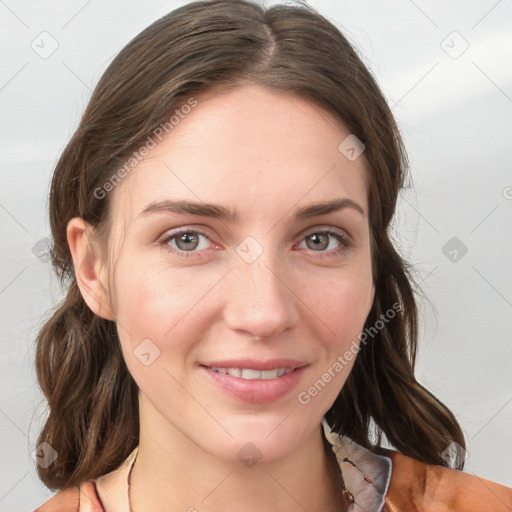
366	475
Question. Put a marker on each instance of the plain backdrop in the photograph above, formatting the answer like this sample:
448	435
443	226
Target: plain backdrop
445	68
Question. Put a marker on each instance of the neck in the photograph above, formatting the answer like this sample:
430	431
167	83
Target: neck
173	473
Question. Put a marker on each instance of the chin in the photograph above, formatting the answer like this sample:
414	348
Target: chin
262	437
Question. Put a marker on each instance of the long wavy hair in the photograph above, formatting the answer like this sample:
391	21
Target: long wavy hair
93	417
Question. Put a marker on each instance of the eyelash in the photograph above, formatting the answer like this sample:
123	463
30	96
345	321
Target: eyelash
344	241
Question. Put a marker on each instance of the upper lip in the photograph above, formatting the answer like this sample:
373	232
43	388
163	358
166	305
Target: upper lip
254	364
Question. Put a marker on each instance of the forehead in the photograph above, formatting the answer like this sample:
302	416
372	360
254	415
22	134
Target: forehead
255	148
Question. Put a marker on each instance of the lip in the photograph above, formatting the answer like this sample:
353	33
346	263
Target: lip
255	390
254	364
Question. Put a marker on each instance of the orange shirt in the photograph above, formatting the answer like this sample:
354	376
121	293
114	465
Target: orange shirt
392	483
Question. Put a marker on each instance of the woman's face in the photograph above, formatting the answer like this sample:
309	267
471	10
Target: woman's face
245	274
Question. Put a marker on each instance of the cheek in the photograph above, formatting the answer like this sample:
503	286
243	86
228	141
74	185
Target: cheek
343	308
156	328
343	302
161	304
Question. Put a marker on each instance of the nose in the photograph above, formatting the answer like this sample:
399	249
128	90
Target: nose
261	302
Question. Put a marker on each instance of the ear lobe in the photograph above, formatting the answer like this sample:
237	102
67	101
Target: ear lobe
88	265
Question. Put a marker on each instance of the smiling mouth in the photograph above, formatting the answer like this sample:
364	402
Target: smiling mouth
250	374
255	381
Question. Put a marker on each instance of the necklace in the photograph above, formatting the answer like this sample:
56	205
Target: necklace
338	479
129	479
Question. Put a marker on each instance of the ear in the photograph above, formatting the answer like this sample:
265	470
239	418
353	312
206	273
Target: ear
89	267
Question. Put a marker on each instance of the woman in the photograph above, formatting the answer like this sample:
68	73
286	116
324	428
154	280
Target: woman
239	332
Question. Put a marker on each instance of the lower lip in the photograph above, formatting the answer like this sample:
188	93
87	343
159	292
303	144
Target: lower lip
255	390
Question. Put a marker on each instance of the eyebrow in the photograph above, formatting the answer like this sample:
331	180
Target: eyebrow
222	213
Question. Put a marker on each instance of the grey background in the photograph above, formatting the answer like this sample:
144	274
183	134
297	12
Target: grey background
454	107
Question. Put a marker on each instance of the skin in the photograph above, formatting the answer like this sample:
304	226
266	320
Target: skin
266	153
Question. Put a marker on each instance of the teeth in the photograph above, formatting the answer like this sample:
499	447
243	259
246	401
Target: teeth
246	373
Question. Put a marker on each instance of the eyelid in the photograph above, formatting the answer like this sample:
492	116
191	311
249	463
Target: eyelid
345	241
326	229
344	238
309	231
173	233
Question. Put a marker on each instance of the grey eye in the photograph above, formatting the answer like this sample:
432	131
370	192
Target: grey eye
187	241
319	241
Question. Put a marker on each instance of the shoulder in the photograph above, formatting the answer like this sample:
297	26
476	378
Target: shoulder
77	499
86	496
415	485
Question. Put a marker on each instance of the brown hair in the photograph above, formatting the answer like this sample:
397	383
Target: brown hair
93	420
